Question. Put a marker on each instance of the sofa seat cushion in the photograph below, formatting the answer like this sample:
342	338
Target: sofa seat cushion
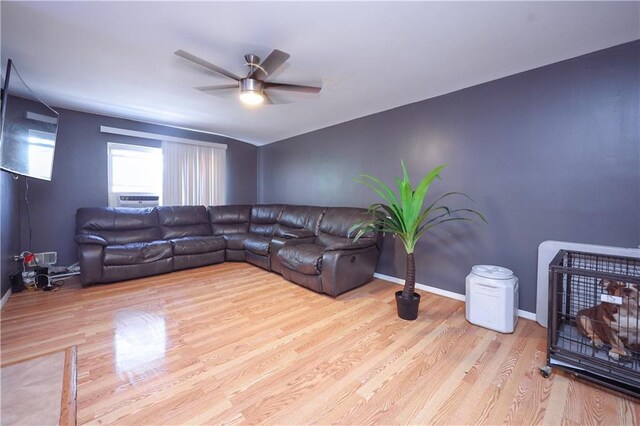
197	245
137	253
235	241
257	244
303	258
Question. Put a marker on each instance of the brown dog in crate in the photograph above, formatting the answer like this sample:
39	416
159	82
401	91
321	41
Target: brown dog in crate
614	322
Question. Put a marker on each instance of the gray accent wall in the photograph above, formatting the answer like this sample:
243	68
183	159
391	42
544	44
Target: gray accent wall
80	177
549	154
9	228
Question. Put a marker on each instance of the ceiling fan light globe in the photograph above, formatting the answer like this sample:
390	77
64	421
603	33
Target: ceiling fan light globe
251	98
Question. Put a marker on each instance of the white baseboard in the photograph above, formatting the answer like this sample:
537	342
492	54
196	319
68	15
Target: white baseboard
527	315
434	290
5	298
450	294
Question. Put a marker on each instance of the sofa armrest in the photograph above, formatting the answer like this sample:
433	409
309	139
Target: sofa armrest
343	270
297	233
352	245
296	241
90	239
90	258
278	242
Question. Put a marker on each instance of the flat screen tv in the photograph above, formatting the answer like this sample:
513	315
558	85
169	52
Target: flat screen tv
28	129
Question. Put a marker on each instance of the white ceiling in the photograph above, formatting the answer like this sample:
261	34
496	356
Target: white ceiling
116	58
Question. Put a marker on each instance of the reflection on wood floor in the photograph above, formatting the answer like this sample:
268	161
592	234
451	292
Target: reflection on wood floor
232	343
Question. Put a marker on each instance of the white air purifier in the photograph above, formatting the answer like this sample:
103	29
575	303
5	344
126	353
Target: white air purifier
492	298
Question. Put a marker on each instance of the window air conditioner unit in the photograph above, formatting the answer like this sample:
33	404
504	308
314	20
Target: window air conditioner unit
136	200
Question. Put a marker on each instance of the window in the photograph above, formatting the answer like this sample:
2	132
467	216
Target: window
134	169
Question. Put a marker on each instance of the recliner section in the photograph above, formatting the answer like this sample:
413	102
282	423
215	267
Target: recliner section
189	231
308	245
298	223
118	237
262	227
331	262
232	223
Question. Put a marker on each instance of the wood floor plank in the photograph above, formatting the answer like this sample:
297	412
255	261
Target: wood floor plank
233	344
432	405
68	409
532	390
554	410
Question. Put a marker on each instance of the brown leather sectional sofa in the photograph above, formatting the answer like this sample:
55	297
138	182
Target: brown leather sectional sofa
307	245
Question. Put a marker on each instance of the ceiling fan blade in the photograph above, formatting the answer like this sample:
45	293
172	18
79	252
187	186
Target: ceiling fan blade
217	87
269	65
292	87
192	58
267	99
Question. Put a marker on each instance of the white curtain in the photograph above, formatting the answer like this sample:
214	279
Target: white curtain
193	174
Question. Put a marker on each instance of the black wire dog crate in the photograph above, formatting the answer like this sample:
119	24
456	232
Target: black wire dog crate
593	328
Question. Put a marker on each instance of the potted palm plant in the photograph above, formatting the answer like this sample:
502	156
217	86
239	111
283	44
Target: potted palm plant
404	215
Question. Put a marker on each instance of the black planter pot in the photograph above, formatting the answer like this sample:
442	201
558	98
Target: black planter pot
407	309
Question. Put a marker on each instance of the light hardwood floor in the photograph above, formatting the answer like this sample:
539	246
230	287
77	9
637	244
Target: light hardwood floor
232	343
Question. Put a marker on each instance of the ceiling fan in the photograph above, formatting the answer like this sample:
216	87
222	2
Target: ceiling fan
253	86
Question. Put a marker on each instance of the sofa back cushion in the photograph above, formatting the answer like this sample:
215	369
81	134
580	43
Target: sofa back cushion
298	218
336	222
119	225
183	221
264	218
229	219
